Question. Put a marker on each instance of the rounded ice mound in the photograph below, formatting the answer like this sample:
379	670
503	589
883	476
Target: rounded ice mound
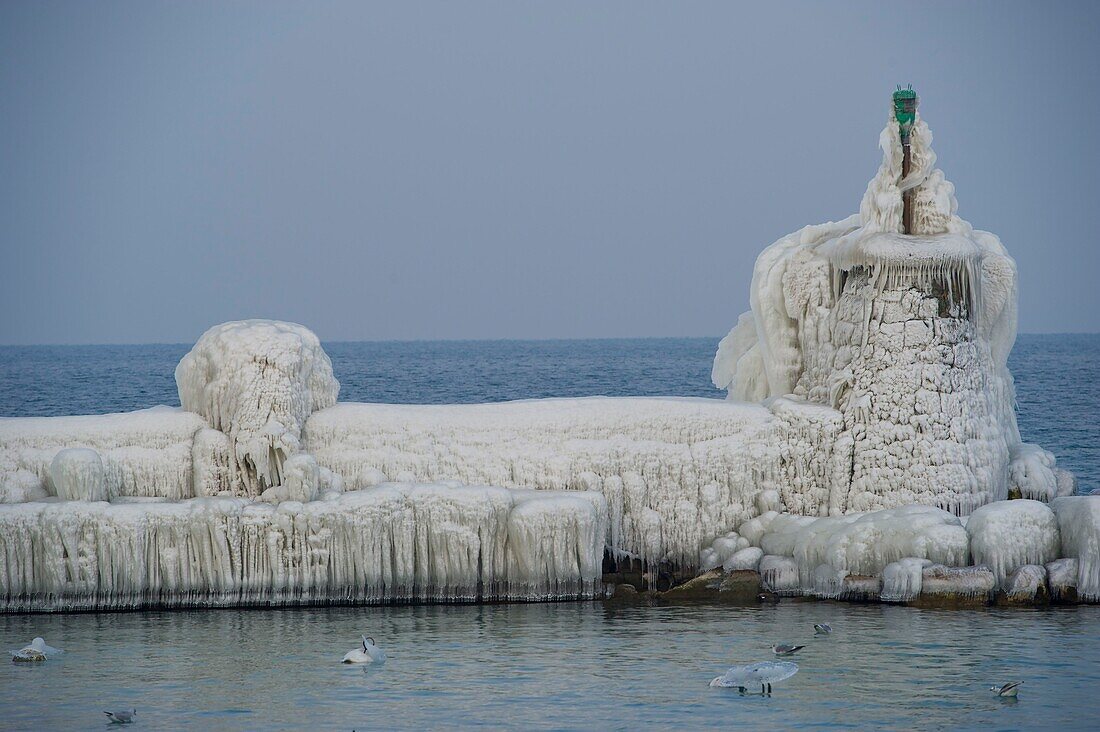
1007	535
257	381
747	558
864	544
77	475
1026	584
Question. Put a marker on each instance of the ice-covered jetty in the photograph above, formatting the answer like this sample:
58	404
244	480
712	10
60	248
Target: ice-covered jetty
868	450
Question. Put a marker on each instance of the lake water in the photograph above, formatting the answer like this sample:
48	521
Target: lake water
551	666
557	666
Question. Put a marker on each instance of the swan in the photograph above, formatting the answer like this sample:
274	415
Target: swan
369	653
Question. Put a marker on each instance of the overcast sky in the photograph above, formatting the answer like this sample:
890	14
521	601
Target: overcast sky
508	170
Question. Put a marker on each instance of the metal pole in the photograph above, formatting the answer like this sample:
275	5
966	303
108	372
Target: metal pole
905	112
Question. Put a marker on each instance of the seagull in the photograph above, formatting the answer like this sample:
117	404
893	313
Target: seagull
765	674
782	649
823	628
35	652
369	653
1011	689
122	717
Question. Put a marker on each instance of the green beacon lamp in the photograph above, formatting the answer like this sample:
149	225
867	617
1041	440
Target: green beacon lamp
905	112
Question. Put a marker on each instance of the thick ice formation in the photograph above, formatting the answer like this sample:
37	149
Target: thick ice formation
902	580
388	543
77	475
257	381
1009	534
1062	577
864	544
906	336
957	582
676	473
1079	525
748	558
722	550
151	452
301	481
779	574
1026	583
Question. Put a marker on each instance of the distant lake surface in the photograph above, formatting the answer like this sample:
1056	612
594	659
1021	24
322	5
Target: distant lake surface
1057	378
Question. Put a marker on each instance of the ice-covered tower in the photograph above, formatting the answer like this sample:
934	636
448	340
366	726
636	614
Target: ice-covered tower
906	333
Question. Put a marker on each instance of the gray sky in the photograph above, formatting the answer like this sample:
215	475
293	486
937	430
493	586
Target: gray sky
508	170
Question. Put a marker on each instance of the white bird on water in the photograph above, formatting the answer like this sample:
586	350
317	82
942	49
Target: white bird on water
1011	689
823	628
36	651
765	674
369	653
782	649
125	717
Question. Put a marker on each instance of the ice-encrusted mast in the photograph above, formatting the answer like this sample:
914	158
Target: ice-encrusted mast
905	112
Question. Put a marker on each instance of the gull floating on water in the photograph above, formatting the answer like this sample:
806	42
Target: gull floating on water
782	649
369	653
765	673
1011	689
125	717
36	651
823	628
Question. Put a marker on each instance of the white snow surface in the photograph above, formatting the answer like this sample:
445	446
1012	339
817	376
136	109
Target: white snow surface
257	381
393	542
1007	535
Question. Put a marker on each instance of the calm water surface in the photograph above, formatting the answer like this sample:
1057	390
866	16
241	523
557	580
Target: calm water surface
555	666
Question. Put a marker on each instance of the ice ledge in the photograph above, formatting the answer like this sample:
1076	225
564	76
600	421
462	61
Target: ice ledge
391	543
861	248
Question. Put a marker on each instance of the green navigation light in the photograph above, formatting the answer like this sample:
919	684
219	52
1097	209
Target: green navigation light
905	110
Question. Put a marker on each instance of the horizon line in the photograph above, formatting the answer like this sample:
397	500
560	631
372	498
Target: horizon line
551	339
